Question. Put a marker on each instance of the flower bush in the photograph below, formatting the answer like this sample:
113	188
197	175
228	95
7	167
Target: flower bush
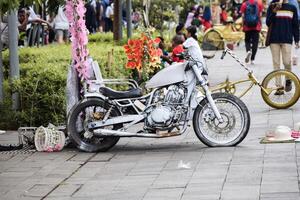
143	54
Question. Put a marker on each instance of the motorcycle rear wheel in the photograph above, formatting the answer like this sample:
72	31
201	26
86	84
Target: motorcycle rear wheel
83	138
229	133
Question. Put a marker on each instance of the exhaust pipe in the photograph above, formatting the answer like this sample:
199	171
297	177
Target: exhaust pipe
116	133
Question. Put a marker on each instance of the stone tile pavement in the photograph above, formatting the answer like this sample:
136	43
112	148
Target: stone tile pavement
148	168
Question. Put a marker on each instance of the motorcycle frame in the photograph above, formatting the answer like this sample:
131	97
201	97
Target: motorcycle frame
133	119
194	77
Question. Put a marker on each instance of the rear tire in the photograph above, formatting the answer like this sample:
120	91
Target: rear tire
78	130
212	136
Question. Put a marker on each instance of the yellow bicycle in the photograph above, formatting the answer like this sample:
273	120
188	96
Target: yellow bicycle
280	89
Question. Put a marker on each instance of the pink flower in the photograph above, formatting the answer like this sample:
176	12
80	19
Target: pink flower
75	12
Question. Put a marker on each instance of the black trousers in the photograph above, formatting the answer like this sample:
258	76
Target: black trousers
251	40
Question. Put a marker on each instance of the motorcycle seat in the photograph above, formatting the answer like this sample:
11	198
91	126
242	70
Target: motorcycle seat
113	94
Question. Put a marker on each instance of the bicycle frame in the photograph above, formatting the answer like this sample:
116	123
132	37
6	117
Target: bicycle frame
227	85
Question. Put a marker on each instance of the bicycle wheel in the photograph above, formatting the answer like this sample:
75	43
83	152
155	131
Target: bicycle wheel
280	89
212	40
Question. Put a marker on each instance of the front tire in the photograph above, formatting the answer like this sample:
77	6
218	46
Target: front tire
83	138
229	133
276	80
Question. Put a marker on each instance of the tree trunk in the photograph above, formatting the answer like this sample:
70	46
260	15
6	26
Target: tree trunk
1	66
117	20
14	69
146	6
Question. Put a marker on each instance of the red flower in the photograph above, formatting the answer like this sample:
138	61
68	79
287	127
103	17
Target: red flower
157	40
131	65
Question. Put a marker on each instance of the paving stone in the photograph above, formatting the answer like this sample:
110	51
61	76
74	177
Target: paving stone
250	174
39	190
65	190
81	157
280	187
280	196
242	192
164	194
102	157
166	179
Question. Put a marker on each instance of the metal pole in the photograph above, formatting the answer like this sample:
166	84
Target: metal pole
14	69
129	20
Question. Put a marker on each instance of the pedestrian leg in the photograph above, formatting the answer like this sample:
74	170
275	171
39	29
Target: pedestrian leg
287	62
287	56
248	45
275	50
255	40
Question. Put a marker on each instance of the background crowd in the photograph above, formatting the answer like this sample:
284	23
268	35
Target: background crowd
53	26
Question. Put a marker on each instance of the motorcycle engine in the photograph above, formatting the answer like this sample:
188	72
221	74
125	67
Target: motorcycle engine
167	107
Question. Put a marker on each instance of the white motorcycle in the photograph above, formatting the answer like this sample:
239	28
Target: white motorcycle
98	121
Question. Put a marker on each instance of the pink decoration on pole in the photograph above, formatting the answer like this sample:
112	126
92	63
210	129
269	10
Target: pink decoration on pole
75	12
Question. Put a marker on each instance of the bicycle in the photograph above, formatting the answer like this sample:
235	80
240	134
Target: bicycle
273	91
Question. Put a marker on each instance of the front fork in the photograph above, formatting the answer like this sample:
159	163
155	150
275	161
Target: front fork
207	92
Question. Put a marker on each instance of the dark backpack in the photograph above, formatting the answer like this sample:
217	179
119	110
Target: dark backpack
251	17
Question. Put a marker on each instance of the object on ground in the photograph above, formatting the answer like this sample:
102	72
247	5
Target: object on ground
2	132
49	139
295	134
281	133
182	165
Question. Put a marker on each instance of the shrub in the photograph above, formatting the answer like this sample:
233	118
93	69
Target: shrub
43	79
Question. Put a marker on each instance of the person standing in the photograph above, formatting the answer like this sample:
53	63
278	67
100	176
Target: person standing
251	11
61	27
190	17
296	4
282	20
109	14
206	18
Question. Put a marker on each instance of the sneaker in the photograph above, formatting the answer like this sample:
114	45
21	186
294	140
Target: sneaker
279	92
252	62
288	85
247	59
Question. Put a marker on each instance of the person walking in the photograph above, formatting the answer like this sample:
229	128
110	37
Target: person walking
282	20
251	11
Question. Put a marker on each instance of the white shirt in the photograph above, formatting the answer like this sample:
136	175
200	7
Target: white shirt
194	49
61	21
109	11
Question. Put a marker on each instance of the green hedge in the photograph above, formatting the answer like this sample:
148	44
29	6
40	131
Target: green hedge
43	79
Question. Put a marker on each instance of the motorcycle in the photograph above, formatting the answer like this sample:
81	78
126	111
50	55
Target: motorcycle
98	121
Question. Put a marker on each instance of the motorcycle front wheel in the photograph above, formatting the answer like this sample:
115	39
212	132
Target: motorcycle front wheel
85	112
228	133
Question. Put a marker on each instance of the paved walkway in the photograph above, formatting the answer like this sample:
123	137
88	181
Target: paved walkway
148	168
